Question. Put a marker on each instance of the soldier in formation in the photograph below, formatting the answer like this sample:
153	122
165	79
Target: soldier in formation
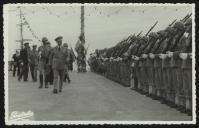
160	64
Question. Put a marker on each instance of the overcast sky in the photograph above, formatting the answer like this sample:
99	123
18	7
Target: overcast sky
104	25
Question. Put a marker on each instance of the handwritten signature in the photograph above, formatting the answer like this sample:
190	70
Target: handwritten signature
21	116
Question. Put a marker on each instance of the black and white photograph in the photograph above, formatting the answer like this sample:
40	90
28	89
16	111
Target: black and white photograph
99	63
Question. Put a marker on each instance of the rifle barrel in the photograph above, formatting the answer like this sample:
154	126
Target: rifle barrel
139	33
151	28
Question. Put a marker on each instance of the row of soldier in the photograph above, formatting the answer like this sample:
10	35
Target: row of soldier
158	65
51	63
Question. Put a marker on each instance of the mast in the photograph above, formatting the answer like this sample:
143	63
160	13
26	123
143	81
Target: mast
82	24
21	28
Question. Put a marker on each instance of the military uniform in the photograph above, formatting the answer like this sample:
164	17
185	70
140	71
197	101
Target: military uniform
58	59
182	65
24	59
154	64
34	60
66	75
147	74
140	68
175	74
131	52
43	66
16	60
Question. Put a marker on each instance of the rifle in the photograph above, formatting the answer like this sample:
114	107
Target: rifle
184	18
187	18
139	34
172	23
151	28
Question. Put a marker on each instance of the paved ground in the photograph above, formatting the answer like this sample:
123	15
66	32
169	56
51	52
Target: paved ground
88	97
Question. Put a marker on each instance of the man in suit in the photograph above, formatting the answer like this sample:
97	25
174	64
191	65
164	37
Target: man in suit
34	60
24	57
58	59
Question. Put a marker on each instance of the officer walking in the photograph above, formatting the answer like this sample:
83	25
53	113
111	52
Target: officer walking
58	61
34	60
24	58
16	58
44	56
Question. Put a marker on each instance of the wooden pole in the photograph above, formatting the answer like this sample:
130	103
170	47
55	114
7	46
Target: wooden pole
21	28
82	24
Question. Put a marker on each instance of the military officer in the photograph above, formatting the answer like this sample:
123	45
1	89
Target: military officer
58	59
24	59
44	55
34	60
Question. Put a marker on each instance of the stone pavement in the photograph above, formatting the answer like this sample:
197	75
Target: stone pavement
89	97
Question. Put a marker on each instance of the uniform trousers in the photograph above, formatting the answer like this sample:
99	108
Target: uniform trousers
16	67
58	73
24	72
151	77
33	70
143	78
187	87
159	81
171	84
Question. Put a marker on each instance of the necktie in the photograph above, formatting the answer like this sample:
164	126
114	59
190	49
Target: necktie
59	48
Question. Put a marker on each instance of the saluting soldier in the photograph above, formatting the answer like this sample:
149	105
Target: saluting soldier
58	59
34	60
